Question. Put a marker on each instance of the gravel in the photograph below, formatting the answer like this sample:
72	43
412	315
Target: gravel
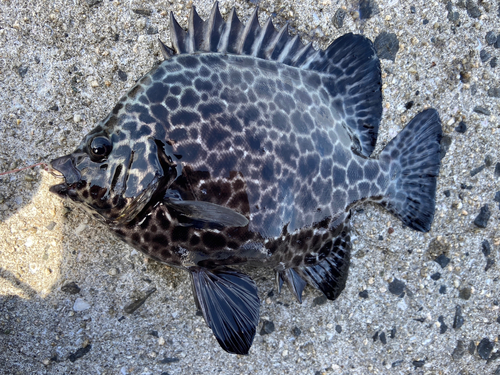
61	59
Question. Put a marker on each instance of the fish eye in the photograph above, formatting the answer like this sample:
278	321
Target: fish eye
100	147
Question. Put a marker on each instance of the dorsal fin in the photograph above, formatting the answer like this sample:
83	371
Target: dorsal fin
350	64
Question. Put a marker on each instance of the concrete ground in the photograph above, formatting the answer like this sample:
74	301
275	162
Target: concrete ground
414	303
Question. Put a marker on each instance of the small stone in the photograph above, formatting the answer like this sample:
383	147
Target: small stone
494	62
461	128
267	327
459	350
375	336
497	196
338	18
154	333
318	301
79	353
475	171
488	160
387	46
472	9
77	118
51	225
168	360
481	220
473	89
453	16
465	293
491	37
444	146
436	276
447	193
397	363
383	339
486	248
296	331
122	76
392	333
367	9
490	262
54	108
443	327
482	110
92	3
418	363
80	305
397	287
70	288
442	260
412	9
338	328
161	341
471	348
484	55
442	289
113	271
458	320
497	170
22	71
151	30
484	348
142	12
134	305
363	294
94	84
494	92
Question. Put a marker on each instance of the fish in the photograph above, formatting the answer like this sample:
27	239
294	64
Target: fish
246	146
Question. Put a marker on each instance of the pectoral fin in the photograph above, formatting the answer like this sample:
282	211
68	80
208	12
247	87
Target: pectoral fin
230	305
209	212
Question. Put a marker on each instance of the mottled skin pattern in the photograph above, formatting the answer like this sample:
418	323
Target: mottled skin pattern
247	147
262	138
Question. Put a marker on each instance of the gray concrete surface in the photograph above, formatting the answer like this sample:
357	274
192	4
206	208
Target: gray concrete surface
61	69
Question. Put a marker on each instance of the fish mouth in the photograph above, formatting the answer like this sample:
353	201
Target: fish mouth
63	167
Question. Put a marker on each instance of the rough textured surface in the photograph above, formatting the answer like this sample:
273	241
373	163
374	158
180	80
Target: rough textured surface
63	67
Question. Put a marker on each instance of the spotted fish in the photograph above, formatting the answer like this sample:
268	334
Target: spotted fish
245	146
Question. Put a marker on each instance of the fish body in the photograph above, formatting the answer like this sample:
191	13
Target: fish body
246	147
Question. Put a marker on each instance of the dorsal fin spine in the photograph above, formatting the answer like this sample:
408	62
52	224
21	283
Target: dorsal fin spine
166	52
268	32
214	28
194	35
289	50
231	33
277	44
250	30
177	35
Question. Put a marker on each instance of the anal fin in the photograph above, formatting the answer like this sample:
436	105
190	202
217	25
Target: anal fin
330	274
230	305
295	283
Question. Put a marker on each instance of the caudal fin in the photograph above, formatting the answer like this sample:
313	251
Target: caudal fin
413	158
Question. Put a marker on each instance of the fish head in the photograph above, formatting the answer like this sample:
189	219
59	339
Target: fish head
115	172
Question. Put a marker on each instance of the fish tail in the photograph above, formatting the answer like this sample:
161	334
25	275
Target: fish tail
412	160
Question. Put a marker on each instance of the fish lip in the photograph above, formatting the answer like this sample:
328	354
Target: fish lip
63	167
60	189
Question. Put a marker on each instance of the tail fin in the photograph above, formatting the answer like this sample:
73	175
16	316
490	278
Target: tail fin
413	159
